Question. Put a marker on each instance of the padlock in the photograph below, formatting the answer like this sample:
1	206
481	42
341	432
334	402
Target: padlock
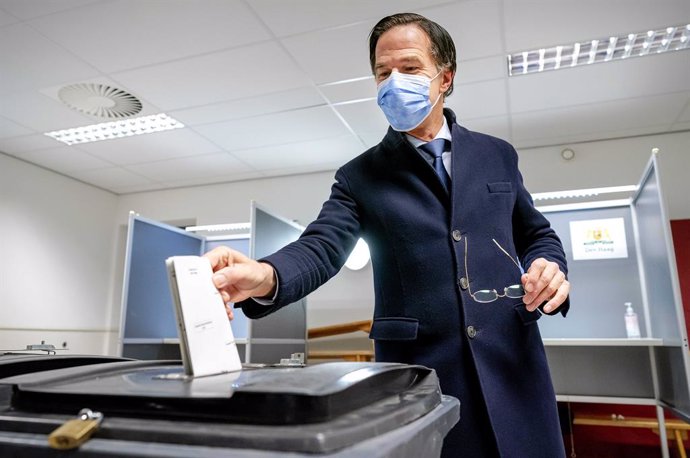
75	432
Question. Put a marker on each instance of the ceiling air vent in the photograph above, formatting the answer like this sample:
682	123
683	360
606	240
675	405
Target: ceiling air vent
100	100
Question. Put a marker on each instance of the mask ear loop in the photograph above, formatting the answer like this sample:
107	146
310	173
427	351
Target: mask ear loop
440	93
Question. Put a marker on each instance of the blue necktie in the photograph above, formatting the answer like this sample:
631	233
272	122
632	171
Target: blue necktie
436	148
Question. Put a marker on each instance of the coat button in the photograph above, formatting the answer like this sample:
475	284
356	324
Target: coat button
471	332
463	283
457	236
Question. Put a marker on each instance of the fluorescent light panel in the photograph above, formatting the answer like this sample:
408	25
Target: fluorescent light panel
583	192
673	38
220	227
116	129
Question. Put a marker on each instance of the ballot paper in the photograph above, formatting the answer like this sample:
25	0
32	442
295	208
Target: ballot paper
207	343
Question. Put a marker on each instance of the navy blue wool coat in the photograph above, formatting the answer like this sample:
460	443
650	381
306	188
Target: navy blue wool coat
488	355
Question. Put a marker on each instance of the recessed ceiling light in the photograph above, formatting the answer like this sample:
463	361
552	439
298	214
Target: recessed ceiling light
116	129
666	39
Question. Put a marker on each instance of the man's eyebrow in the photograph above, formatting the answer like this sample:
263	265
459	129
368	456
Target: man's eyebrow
406	59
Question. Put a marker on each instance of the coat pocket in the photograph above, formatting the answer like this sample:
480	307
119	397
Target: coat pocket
500	186
526	316
394	328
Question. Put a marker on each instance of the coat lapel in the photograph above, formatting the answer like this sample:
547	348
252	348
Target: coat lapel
400	154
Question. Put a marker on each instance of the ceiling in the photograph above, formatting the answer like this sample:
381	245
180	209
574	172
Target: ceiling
253	81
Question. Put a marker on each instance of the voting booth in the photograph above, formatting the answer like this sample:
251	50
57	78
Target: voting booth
148	329
620	252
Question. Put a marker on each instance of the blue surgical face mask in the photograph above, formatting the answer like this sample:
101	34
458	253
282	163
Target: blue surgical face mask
404	100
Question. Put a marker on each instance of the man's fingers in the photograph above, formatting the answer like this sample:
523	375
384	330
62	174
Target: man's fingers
547	291
533	274
229	311
558	298
548	272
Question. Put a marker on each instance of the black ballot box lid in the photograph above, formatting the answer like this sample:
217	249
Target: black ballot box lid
314	409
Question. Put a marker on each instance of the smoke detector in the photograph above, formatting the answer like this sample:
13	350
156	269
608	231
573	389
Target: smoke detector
100	100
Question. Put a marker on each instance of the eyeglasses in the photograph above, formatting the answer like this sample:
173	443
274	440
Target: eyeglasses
489	295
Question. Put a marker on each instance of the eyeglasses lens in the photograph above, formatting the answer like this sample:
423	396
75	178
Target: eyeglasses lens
515	291
485	295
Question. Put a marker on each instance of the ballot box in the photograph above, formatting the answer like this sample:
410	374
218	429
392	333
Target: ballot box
18	363
151	409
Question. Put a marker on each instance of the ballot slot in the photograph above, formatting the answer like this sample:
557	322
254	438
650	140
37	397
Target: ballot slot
207	343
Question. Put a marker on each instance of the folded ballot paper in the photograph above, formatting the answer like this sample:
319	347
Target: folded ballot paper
207	343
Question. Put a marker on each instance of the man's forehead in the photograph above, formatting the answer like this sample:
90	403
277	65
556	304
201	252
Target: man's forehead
405	56
403	41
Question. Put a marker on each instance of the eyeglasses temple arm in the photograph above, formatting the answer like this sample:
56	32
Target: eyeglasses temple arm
506	253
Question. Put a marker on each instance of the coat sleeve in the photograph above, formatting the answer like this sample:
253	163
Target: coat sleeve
534	237
320	252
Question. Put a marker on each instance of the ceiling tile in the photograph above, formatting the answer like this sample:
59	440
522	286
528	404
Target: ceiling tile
151	147
188	168
333	54
479	100
275	129
227	75
584	122
371	139
355	90
474	25
31	9
685	115
251	106
41	113
226	178
303	154
140	33
685	125
65	159
365	118
601	82
496	126
128	189
11	129
313	15
534	24
6	18
111	177
489	68
26	143
29	60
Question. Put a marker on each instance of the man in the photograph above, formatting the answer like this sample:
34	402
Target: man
446	231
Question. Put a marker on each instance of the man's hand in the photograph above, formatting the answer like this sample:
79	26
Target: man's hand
544	281
238	278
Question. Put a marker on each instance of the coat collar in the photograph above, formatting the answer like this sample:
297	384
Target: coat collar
397	150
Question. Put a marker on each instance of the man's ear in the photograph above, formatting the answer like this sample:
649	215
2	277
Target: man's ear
447	80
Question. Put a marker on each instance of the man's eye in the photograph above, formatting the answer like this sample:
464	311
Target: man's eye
383	75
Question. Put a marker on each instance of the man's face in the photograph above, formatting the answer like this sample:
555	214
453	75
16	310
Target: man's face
407	49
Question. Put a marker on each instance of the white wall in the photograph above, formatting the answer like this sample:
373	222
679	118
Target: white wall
61	272
57	246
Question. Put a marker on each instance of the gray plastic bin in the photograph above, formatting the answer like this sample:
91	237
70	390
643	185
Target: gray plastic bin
151	410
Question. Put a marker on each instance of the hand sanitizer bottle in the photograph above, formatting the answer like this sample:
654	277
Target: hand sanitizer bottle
632	326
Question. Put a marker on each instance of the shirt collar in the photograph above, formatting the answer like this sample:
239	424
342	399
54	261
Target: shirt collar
444	132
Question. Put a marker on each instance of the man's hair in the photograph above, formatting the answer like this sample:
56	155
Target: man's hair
442	46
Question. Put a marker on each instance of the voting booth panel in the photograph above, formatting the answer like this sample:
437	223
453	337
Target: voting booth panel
618	252
148	328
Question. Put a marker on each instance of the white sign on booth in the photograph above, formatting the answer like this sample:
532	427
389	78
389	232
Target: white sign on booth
598	239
